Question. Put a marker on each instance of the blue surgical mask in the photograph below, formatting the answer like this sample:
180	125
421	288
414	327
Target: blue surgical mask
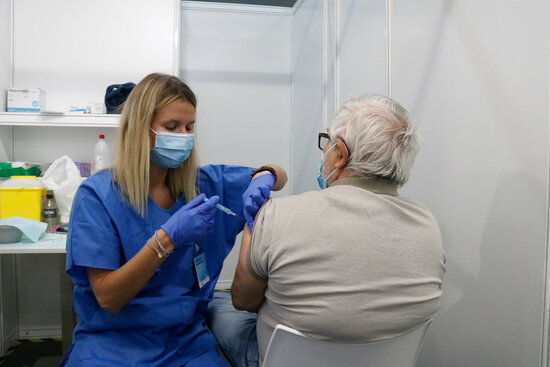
171	149
320	180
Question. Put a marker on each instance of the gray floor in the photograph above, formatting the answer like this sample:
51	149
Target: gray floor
53	361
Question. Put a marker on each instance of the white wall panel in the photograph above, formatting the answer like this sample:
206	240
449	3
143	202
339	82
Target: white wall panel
8	304
338	52
46	144
308	88
5	50
361	45
6	144
5	73
475	77
241	76
238	64
74	50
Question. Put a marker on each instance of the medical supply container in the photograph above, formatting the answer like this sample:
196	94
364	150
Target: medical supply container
101	155
21	196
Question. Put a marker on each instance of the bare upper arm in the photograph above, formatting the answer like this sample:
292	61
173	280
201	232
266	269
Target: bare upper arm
247	291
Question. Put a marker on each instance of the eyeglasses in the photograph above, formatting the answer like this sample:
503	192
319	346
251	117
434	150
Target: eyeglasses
324	138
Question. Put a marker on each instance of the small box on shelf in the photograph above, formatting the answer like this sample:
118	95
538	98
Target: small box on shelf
26	100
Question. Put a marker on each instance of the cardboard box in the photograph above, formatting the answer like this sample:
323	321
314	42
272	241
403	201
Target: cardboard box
26	100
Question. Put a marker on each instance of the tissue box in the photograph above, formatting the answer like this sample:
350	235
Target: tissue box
26	100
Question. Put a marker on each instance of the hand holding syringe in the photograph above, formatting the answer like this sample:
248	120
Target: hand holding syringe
225	210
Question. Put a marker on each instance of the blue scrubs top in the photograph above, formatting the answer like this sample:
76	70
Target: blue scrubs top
164	325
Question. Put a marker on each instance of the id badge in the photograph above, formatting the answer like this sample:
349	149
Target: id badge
201	270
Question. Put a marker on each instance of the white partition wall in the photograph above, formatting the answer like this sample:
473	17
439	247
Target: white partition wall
8	304
475	77
5	48
360	42
338	50
309	83
5	72
237	60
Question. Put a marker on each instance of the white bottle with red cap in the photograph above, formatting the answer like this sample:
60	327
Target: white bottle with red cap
101	155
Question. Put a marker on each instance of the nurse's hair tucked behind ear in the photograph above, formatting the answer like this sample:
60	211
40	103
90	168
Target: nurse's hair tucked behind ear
380	136
131	166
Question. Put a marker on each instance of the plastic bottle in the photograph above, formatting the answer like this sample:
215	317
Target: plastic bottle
49	211
101	155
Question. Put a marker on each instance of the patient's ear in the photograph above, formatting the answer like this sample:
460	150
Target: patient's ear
342	154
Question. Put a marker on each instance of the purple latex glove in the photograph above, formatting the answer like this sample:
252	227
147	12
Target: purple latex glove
192	221
254	197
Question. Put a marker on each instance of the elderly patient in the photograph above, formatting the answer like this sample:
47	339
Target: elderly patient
355	262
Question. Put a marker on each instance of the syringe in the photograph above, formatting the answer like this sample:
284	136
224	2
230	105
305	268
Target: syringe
225	210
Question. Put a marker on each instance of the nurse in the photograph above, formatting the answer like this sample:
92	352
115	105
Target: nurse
144	250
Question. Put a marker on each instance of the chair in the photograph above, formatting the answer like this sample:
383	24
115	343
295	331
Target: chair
291	348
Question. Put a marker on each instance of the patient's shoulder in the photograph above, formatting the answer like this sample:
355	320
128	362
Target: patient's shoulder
297	199
304	203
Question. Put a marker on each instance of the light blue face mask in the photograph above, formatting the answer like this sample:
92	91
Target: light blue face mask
320	180
171	149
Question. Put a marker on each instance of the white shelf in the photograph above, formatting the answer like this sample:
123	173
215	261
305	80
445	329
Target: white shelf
59	119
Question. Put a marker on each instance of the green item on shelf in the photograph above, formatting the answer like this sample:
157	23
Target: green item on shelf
8	169
5	169
31	171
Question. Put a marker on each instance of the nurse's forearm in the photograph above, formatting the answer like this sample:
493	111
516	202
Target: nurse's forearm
281	176
113	289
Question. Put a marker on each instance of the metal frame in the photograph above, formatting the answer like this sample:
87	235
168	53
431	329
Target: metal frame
241	8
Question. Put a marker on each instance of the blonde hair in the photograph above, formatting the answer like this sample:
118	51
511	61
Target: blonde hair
131	163
380	136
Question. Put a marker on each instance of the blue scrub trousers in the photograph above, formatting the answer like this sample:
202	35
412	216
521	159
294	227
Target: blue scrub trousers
210	359
234	330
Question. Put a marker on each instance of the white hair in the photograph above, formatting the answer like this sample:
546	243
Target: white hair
381	139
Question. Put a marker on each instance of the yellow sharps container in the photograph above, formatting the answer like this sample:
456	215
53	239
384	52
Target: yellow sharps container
21	196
